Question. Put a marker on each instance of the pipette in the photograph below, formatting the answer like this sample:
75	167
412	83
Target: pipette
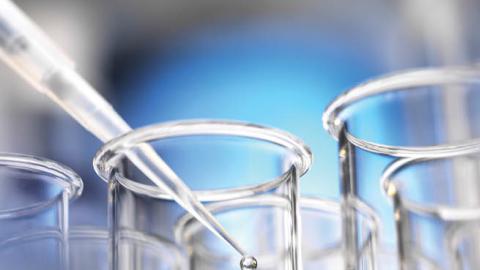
26	49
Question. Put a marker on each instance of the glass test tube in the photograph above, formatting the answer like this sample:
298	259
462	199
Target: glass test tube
435	230
34	205
222	160
419	113
321	225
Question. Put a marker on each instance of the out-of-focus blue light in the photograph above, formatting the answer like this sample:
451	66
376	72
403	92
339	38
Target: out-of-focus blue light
268	72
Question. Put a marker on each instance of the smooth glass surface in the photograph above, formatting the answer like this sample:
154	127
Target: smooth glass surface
34	204
263	159
415	113
438	231
88	248
261	219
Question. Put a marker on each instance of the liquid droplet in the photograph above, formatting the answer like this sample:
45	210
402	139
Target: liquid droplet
248	262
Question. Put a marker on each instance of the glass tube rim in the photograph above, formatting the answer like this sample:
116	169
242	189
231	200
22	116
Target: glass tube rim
398	81
390	188
113	150
94	235
269	200
91	233
57	173
210	195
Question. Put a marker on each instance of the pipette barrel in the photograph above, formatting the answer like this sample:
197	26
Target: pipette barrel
26	49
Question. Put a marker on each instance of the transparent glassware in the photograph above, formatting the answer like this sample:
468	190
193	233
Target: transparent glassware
220	160
150	253
89	248
463	247
321	226
34	205
429	112
438	231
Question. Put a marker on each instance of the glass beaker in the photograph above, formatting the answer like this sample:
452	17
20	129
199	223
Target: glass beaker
419	113
220	160
259	218
34	202
435	230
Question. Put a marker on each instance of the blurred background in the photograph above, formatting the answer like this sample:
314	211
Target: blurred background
276	63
